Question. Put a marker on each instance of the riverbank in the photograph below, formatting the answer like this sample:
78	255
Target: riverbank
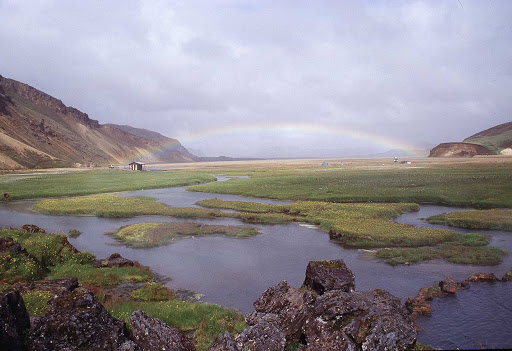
31	262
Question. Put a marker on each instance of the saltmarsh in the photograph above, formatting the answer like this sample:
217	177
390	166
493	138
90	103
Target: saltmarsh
354	225
493	219
369	226
480	185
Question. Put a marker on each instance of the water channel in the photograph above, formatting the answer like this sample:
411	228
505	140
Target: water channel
234	272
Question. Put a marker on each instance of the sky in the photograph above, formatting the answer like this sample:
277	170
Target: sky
260	78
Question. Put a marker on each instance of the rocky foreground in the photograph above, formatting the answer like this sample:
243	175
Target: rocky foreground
326	313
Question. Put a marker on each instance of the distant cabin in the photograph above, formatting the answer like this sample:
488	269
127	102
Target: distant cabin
405	162
325	164
136	166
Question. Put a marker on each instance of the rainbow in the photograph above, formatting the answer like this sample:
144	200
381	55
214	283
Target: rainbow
298	129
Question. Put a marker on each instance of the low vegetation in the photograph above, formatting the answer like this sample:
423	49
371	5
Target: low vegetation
153	292
50	256
31	185
204	321
493	219
479	185
157	234
109	205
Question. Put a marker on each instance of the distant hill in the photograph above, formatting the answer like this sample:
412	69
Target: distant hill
496	139
39	131
493	141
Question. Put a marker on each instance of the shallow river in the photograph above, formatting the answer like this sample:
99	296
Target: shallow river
234	272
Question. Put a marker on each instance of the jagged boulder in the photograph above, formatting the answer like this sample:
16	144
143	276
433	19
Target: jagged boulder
14	322
115	260
448	285
483	277
224	342
32	228
152	334
368	320
11	245
322	276
288	307
76	321
263	336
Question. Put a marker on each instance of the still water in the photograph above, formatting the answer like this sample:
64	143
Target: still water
234	272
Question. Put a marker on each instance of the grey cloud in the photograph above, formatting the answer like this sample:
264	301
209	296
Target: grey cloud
395	68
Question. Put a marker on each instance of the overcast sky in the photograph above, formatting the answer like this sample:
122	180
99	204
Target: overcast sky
271	78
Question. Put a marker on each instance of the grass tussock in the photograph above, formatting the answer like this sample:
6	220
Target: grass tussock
153	292
157	234
493	219
30	185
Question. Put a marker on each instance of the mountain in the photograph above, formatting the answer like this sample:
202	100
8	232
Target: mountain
39	131
493	141
496	139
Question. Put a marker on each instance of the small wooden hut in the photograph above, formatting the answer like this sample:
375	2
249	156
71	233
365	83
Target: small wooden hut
136	166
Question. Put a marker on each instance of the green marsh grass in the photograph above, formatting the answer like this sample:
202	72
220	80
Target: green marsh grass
157	234
493	219
101	277
476	186
465	249
109	205
32	185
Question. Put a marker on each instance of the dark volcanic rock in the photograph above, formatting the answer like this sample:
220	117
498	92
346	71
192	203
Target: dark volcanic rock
368	320
115	260
483	277
322	276
77	321
224	342
449	285
14	321
287	306
31	228
9	244
263	336
153	334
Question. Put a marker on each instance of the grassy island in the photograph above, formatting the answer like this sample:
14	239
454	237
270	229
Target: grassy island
157	234
493	219
369	226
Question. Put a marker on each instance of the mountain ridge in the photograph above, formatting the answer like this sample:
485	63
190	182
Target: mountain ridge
38	130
